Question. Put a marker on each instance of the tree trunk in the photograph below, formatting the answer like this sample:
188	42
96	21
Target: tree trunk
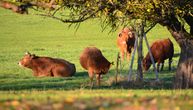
184	73
139	75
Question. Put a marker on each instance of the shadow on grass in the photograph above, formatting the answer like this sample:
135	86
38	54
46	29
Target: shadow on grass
81	80
81	74
16	82
166	79
146	84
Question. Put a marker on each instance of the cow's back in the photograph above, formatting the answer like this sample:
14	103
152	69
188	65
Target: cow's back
162	49
91	57
168	48
68	68
71	67
56	66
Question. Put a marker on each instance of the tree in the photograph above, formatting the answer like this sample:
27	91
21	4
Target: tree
176	15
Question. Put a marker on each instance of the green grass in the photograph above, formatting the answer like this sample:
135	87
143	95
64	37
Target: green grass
47	37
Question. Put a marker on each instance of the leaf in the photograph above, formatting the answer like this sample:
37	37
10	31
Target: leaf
15	103
69	100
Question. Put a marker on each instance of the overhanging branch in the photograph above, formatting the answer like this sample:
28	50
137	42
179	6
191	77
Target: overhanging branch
81	19
152	26
189	20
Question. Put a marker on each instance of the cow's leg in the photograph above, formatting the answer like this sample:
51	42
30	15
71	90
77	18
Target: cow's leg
55	73
35	73
128	56
162	66
170	62
122	54
158	65
43	74
58	72
129	49
98	76
91	76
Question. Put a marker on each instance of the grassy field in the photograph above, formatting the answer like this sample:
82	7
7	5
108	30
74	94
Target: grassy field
47	37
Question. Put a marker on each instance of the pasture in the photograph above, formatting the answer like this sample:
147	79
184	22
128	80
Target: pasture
47	37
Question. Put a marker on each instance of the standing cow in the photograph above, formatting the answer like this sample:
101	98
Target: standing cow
161	50
125	42
92	60
46	66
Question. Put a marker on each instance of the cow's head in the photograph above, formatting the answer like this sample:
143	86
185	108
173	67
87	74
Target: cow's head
106	69
111	64
26	60
146	64
126	33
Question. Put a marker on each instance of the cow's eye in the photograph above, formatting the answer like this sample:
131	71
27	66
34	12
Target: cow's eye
120	35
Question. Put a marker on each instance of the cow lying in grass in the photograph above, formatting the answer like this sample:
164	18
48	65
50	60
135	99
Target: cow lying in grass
161	50
125	42
92	60
46	66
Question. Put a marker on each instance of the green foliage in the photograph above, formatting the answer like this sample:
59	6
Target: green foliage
120	12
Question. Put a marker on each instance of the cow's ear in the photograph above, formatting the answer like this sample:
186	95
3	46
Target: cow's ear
120	34
27	53
111	64
33	56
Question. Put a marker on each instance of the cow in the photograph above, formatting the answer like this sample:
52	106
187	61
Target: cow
161	50
125	42
21	9
47	66
92	59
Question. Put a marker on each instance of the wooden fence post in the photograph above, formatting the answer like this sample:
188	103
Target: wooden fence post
152	59
133	56
117	67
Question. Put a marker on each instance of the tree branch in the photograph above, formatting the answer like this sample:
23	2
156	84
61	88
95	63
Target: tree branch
152	26
81	19
189	21
57	9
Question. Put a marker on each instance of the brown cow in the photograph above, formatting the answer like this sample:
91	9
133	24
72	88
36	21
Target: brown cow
92	60
125	42
161	50
46	66
18	9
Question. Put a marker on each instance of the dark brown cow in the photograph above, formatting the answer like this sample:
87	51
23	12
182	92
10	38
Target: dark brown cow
161	50
46	66
92	60
125	42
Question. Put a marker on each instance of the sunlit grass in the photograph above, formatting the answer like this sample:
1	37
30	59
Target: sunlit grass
47	37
